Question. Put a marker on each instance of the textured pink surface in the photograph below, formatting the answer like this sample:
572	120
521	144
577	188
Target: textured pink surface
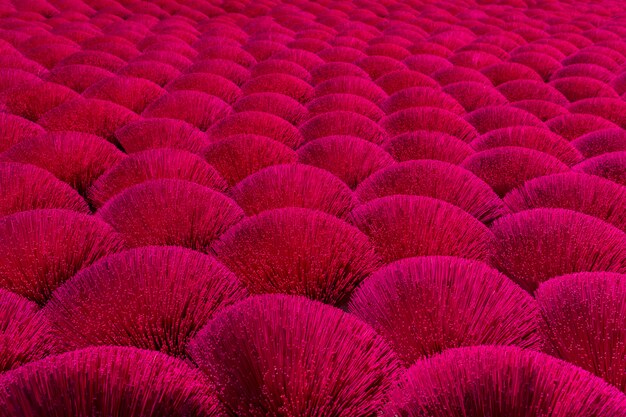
312	208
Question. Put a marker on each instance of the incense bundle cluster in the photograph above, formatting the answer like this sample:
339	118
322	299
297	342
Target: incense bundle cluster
265	208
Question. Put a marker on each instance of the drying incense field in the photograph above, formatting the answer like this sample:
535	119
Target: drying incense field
312	208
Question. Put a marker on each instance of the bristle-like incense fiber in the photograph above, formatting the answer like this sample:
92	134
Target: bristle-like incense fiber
497	381
40	249
425	305
170	212
402	226
317	254
153	298
25	333
535	245
585	314
108	381
278	355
